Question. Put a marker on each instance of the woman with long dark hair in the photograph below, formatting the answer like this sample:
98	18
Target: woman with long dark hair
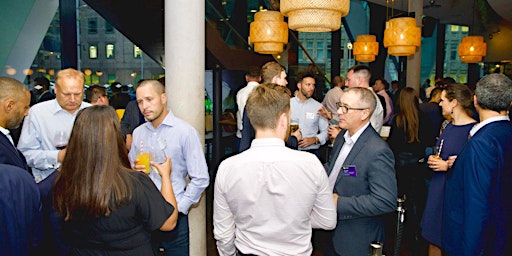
107	207
410	135
457	103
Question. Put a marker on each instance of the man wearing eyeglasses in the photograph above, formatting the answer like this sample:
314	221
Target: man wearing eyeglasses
362	176
304	110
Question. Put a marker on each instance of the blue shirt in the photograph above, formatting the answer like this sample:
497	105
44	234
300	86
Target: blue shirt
39	128
310	123
181	142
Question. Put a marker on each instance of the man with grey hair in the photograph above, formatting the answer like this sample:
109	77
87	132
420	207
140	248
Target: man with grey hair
15	103
361	172
477	211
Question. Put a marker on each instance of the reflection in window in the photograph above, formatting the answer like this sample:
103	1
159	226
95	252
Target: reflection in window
109	51
137	52
92	25
93	51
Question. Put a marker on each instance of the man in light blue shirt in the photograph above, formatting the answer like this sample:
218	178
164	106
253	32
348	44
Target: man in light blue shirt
165	133
304	110
46	119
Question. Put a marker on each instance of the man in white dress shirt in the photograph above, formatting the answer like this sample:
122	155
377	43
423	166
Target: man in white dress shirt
269	197
253	78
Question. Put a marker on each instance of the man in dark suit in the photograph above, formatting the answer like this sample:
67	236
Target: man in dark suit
478	208
14	105
361	172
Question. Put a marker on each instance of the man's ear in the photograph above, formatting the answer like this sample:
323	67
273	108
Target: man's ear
163	98
366	114
9	105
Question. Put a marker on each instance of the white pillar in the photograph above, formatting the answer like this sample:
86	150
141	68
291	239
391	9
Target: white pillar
414	61
184	79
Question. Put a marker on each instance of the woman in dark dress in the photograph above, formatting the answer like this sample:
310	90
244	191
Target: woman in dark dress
108	208
410	135
457	103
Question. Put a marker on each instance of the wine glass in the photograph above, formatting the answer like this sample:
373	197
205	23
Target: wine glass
60	139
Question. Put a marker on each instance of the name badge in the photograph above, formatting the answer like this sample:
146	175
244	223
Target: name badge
349	170
310	115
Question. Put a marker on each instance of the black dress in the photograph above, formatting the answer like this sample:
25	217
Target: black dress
126	231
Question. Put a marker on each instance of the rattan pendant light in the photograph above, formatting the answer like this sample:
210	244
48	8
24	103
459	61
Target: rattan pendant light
268	32
402	36
314	15
366	48
472	49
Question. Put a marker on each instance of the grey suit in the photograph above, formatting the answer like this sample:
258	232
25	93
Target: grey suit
363	198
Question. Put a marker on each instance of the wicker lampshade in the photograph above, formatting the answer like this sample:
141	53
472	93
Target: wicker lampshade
268	32
314	15
366	48
401	36
472	49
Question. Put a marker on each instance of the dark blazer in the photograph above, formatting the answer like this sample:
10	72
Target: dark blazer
10	155
20	216
478	207
363	199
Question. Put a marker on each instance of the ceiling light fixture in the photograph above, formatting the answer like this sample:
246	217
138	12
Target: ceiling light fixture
268	32
314	15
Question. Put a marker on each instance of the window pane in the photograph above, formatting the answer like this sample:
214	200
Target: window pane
464	28
108	28
92	25
137	52
109	51
454	28
93	52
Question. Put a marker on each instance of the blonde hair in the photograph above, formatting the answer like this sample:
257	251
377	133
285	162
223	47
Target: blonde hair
266	103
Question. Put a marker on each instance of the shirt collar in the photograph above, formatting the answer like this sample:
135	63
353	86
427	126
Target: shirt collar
169	120
267	142
486	122
56	107
352	139
4	131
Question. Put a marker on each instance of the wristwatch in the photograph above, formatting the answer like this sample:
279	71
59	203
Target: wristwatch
317	141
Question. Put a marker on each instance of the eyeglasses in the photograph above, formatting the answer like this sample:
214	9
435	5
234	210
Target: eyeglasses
345	109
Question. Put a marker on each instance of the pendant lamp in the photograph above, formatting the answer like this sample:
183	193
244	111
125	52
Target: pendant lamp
268	32
314	15
472	49
402	36
366	48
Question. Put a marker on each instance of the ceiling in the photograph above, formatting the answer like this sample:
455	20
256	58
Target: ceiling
142	21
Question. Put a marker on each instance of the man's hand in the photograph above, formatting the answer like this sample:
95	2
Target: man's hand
323	112
61	155
333	132
297	134
335	196
307	141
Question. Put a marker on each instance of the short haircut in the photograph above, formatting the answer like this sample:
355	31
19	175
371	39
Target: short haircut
254	72
271	70
303	75
94	92
69	73
384	82
366	98
11	88
337	80
362	71
435	92
157	86
462	94
494	92
116	87
266	103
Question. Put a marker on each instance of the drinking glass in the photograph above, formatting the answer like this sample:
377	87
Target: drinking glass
60	139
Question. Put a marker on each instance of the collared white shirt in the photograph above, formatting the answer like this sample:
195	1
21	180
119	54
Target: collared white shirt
36	143
345	150
241	100
377	117
486	122
268	198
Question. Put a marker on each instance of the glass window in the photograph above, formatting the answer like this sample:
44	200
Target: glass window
464	28
109	29
454	28
93	51
109	51
453	55
92	25
137	52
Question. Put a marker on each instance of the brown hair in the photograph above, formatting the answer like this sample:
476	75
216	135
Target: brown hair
11	88
462	94
266	103
94	176
271	70
157	85
94	92
408	116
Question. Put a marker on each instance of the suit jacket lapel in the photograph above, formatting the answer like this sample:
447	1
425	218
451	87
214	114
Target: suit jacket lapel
354	152
13	151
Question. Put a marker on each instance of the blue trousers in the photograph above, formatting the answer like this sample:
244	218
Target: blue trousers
175	242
